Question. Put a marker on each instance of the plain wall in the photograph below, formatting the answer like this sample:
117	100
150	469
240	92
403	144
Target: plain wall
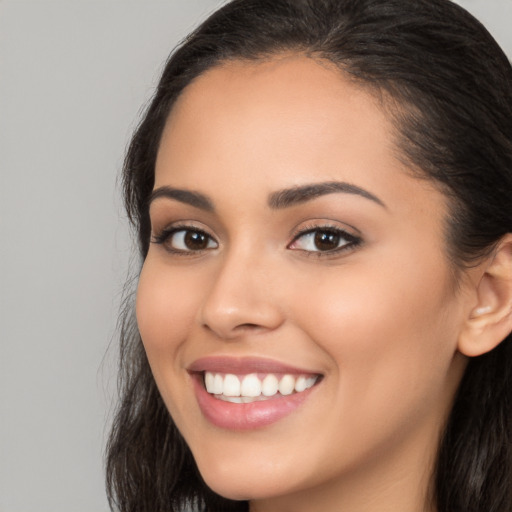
74	75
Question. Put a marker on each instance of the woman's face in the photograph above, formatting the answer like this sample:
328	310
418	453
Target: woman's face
295	260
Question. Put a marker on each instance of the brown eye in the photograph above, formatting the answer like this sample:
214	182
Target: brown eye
186	240
195	240
326	240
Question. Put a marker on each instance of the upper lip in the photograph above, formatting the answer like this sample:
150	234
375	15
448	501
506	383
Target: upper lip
244	365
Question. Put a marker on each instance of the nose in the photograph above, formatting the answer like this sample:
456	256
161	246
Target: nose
242	298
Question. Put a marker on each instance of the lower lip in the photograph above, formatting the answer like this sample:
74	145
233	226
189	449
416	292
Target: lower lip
249	416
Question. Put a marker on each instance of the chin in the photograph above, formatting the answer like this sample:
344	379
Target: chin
243	480
245	488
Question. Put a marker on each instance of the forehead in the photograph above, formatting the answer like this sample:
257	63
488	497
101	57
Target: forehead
250	128
288	106
288	79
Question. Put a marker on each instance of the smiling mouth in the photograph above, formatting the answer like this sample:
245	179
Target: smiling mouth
255	387
246	393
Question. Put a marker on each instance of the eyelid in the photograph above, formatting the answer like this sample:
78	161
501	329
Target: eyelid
326	224
353	240
159	228
165	234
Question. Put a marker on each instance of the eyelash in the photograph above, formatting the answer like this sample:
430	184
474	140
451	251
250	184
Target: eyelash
352	241
166	234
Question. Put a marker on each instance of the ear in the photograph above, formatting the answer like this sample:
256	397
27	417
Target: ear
490	321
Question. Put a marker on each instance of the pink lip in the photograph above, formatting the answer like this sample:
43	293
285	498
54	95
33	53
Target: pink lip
244	365
252	415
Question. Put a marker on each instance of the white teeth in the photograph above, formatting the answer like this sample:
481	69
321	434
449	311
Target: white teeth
209	379
310	382
232	399
251	386
270	385
228	386
287	385
231	385
300	384
218	385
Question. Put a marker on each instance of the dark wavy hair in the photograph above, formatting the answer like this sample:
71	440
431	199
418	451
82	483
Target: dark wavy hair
448	88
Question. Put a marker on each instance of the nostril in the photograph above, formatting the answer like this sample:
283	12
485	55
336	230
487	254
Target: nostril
236	331
230	315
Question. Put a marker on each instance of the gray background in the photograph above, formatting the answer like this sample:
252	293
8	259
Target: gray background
73	77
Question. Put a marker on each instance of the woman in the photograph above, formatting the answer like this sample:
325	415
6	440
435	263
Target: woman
321	191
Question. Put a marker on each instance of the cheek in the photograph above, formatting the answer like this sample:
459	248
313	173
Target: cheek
390	332
164	312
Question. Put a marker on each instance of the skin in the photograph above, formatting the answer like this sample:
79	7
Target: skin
380	320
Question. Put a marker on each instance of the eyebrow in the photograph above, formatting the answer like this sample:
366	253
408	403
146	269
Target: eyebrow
277	200
190	197
297	195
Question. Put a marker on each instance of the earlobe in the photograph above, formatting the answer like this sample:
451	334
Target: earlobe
490	321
